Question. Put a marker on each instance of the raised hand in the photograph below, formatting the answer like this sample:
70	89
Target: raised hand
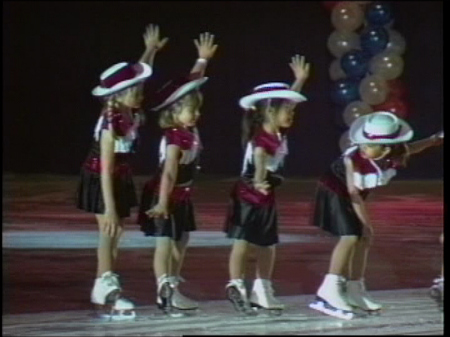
299	67
152	39
205	46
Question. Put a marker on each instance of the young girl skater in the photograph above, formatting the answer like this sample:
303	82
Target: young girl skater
106	187
252	218
166	210
380	149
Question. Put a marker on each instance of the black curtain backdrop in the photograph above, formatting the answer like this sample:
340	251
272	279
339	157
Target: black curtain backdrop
54	52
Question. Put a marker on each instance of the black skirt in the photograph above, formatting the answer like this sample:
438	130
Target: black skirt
90	196
250	219
181	215
334	213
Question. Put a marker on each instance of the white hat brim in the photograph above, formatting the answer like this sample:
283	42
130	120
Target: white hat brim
181	91
247	102
356	133
146	73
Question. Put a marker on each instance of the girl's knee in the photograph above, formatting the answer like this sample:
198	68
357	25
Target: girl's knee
349	239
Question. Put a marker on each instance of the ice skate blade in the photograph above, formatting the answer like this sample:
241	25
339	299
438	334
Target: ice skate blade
234	296
270	311
113	315
322	307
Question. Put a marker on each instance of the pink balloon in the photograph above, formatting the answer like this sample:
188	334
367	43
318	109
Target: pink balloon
347	16
341	42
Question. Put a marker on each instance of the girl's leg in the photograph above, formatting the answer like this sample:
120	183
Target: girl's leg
356	288
262	292
238	259
265	261
115	246
104	249
357	266
342	254
178	253
162	257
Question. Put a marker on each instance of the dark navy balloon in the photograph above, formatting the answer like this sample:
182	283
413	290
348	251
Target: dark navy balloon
355	63
374	40
379	14
345	91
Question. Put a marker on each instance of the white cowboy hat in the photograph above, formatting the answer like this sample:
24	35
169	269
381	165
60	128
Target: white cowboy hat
380	128
121	76
270	90
174	90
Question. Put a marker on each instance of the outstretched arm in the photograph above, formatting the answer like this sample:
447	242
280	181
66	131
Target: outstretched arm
420	145
300	70
153	43
206	49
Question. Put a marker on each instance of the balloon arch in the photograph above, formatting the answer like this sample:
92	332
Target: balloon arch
368	62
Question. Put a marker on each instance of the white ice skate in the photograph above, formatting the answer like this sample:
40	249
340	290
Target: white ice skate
437	292
358	297
330	298
237	295
106	296
262	297
164	294
179	301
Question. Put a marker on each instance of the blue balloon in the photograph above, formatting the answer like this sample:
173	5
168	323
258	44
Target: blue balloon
379	14
345	91
355	63
374	40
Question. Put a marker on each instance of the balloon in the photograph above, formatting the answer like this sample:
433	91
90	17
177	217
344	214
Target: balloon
329	5
387	65
347	16
395	105
335	71
379	13
344	141
374	39
396	42
396	89
355	110
340	42
344	91
355	63
373	90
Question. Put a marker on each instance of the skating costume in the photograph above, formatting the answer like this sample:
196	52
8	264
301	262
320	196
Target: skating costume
334	213
333	210
181	209
252	216
123	122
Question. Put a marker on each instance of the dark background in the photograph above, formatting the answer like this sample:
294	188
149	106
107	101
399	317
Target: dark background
53	53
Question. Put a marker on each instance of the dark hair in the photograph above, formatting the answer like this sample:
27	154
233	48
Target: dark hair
253	119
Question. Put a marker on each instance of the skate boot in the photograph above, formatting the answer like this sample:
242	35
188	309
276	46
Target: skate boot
262	297
106	296
164	294
437	292
358	297
330	298
237	295
179	301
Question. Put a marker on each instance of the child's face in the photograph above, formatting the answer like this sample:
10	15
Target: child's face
373	151
285	115
189	113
